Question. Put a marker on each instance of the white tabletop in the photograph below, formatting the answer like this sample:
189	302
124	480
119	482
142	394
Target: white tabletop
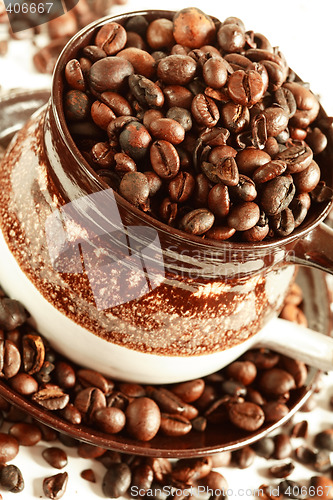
303	31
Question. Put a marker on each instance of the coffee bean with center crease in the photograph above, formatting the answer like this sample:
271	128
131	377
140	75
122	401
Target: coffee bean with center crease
10	359
247	416
204	111
269	171
285	98
111	38
74	75
55	486
11	479
197	221
175	425
145	91
192	469
283	223
277	195
89	400
181	187
164	159
94	53
12	313
167	129
235	117
298	158
245	189
245	87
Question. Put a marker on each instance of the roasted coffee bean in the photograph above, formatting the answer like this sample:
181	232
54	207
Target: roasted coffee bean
181	115
65	375
26	434
9	448
299	207
283	223
197	221
262	358
181	187
169	402
89	400
305	455
191	469
307	105
322	461
193	28
250	159
76	105
244	457
164	159
56	457
55	486
154	182
308	179
243	216
101	114
220	233
189	391
233	388
204	111
245	189
324	439
283	447
175	425
317	140
147	93
168	211
159	33
143	418
245	87
199	424
276	121
243	371
168	130
71	414
221	459
12	313
86	450
135	188
74	75
219	200
293	313
276	382
296	368
298	158
277	195
322	193
91	378
117	103
88	475
177	95
274	411
271	147
264	447
254	396
286	100
283	470
110	420
102	154
269	171
132	390
235	117
176	70
300	429
247	416
24	384
51	398
10	359
94	53
231	37
134	140
33	353
111	38
11	479
215	73
322	487
109	74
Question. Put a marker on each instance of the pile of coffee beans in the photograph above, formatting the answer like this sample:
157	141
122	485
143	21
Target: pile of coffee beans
199	123
247	394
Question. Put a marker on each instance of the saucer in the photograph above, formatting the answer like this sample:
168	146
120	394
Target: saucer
15	108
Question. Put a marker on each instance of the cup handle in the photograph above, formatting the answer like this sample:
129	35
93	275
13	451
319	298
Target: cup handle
298	342
315	249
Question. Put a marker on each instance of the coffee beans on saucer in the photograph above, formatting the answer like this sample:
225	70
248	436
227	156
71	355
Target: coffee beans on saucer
199	123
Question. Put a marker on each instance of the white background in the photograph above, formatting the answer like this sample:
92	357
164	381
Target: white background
303	30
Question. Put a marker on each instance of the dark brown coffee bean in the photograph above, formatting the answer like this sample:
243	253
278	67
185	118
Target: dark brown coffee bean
135	188
324	439
176	70
231	37
264	447
145	91
74	75
215	73
9	448
276	121
56	457
322	193
269	171
296	368
181	187
164	159
169	402
110	420
177	95
24	384
101	114
134	140
132	390
245	87
274	411
322	461
219	200
283	223
204	111
244	457
283	447
76	105
12	313
86	450
307	105
26	434
94	53
250	159
11	479
71	414
111	38
117	103
300	429
175	425
245	189
109	74
189	391
168	211
254	396
55	486
201	191
308	179
298	158
276	382
154	182
247	416
317	140
243	371
305	455
88	475
285	98
10	359
65	374
233	388
299	207
193	28
91	378
243	216
283	470
90	400
192	469
168	130
220	233
262	358
197	221
182	116
159	33
143	419
277	195
102	154
142	477
142	62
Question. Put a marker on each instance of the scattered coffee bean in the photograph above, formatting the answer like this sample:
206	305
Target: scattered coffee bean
88	475
324	439
247	416
55	456
26	434
11	479
116	480
55	486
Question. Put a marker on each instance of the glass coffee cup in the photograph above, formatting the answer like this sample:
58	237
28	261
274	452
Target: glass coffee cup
119	291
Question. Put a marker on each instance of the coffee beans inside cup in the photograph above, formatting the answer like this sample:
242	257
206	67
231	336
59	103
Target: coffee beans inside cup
199	123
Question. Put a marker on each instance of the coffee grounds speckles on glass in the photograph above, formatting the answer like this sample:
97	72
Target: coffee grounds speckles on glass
210	132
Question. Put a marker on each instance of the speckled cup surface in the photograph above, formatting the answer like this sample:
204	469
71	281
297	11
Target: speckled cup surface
183	319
